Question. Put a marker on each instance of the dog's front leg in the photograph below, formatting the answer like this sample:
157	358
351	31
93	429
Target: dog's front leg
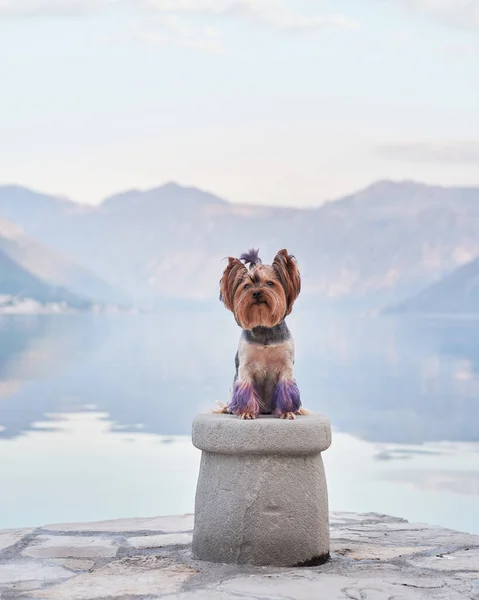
244	400
286	399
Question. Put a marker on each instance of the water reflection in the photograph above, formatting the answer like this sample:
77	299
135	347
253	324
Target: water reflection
398	388
381	380
402	381
73	468
460	482
35	356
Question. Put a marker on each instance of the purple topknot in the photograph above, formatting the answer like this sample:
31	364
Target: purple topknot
251	258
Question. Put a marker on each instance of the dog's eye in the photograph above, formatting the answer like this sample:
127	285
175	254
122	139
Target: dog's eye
247	286
270	283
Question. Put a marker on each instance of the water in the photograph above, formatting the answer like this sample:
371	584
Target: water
95	412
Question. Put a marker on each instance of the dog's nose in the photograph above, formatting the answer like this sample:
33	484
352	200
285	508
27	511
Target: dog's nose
257	294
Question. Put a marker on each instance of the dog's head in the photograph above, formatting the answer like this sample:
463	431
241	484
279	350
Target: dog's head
260	295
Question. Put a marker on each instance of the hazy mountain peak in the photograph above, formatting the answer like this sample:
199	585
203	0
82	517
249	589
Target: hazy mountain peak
168	195
385	187
172	186
175	190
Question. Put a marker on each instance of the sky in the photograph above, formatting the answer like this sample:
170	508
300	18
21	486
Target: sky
286	102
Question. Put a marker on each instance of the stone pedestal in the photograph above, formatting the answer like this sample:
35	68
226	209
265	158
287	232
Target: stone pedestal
261	497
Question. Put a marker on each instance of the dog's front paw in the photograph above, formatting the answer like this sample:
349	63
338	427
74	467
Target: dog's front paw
247	416
288	415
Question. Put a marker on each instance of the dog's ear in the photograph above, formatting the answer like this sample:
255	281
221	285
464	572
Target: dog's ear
232	277
288	274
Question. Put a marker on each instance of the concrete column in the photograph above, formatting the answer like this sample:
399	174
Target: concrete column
261	497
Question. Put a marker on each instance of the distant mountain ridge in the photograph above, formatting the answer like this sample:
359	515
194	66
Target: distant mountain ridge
157	197
370	249
31	270
17	282
457	293
31	210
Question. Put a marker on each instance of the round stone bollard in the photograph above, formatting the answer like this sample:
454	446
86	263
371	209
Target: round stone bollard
261	497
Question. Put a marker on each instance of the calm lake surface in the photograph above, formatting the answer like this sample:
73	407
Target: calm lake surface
96	411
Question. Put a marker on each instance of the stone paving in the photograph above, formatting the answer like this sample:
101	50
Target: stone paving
373	557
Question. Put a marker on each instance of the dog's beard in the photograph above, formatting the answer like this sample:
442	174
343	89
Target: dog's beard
267	312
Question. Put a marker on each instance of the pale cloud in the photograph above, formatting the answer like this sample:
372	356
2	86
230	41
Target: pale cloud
266	12
35	8
216	7
184	23
173	30
456	13
297	23
273	13
445	152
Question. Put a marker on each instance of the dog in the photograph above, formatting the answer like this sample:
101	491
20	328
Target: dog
260	298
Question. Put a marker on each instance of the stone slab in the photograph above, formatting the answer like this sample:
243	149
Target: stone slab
462	560
338	587
205	595
139	576
75	564
360	551
404	533
49	546
158	524
160	541
14	571
380	567
11	536
343	518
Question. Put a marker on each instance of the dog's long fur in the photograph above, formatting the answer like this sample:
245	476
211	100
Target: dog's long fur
260	297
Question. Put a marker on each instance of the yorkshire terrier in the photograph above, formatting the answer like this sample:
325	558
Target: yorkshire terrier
260	297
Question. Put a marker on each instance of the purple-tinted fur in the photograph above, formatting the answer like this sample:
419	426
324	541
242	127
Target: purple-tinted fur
244	399
286	397
251	257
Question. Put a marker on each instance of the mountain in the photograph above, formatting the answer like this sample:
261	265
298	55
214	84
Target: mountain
32	211
370	249
16	281
458	293
157	200
51	267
